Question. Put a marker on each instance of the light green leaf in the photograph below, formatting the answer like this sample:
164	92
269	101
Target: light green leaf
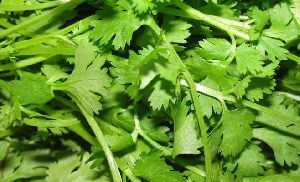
87	81
248	59
258	87
153	168
117	27
176	30
214	49
53	73
273	47
236	129
286	148
186	140
32	85
162	95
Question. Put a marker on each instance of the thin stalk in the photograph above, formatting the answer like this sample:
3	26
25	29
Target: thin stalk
6	133
230	22
195	14
80	131
270	112
24	63
31	7
100	137
45	17
5	24
291	96
232	50
189	167
181	13
156	145
293	57
77	129
196	101
44	38
202	125
131	176
220	96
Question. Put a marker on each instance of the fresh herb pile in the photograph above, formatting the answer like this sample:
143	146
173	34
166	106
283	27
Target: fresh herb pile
149	90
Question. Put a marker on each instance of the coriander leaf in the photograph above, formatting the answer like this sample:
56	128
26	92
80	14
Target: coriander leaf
87	80
261	19
201	69
284	26
258	87
152	127
236	129
186	139
116	138
117	27
212	105
53	73
292	79
128	160
63	167
7	116
248	59
162	95
125	70
286	148
276	104
269	70
71	168
214	49
176	30
273	47
249	162
26	164
295	8
30	85
142	6
153	168
4	147
240	88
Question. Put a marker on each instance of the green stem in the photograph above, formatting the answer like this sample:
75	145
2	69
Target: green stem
77	129
156	145
202	125
190	167
177	12
6	133
24	63
195	99
270	112
293	57
289	95
100	137
131	176
195	14
45	17
230	22
220	96
4	52
31	7
80	131
232	50
5	24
